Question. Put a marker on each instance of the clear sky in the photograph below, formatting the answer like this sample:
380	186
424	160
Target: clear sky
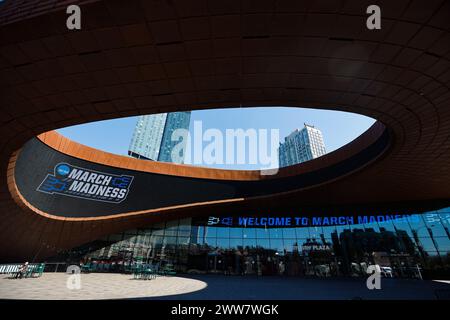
338	128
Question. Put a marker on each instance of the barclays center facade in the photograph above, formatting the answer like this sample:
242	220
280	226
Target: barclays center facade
405	246
64	202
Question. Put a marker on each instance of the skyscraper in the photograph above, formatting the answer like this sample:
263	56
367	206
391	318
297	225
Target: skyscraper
300	146
174	121
152	137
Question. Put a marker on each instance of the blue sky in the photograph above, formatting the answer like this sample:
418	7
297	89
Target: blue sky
338	128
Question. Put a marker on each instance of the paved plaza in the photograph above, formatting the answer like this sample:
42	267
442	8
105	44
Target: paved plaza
53	286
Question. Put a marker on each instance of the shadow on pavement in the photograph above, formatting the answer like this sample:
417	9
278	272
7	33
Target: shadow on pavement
284	288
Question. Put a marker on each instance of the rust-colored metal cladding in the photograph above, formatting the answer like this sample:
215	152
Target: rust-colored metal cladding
140	57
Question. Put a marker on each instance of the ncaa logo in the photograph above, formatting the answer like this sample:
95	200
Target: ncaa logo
62	170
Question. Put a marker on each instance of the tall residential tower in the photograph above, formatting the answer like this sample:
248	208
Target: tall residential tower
152	137
300	146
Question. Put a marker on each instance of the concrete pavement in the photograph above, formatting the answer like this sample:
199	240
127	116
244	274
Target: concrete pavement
53	286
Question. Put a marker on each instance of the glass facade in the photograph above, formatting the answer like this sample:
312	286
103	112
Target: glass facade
147	136
175	120
415	247
152	137
300	146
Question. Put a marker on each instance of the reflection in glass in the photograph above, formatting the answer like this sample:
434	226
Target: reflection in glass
443	244
289	233
210	241
223	232
262	233
249	243
223	243
427	244
277	245
315	232
265	243
290	245
249	232
303	233
276	233
210	232
235	232
404	246
236	243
